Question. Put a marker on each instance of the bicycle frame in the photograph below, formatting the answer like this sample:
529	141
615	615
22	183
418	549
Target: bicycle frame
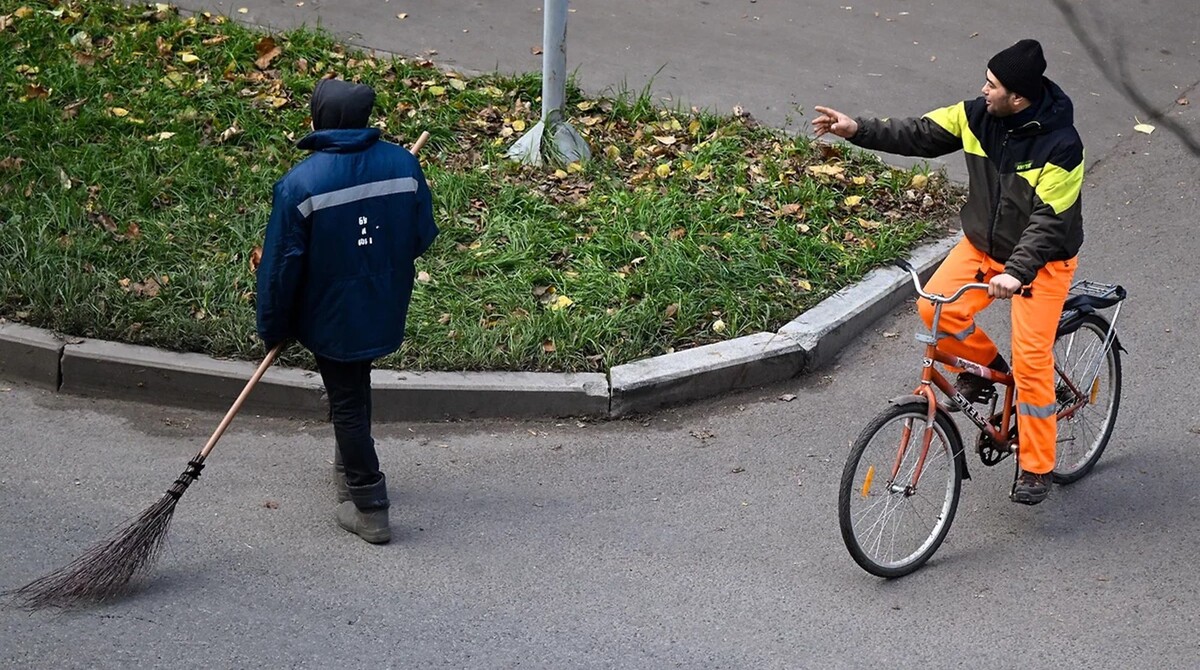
931	377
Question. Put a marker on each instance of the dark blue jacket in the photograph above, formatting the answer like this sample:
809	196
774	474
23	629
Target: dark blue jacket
337	265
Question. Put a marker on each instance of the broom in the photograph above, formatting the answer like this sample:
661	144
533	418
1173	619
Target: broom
106	569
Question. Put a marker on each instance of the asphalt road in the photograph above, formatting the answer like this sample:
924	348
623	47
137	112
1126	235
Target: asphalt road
703	537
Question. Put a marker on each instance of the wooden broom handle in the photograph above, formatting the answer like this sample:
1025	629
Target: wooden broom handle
420	142
241	399
268	360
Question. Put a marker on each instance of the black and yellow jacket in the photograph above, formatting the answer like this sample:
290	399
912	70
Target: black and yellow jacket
1024	207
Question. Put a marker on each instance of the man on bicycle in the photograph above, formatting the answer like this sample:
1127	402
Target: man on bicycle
1022	226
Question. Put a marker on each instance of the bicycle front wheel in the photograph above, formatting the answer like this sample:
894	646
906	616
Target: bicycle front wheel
890	527
1095	374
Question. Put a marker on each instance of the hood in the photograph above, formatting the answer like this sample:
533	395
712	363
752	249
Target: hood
1054	111
341	104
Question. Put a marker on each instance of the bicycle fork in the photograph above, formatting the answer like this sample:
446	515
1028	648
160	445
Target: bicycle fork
926	389
926	439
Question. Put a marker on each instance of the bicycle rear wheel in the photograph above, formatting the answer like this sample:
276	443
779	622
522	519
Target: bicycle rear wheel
889	528
1080	356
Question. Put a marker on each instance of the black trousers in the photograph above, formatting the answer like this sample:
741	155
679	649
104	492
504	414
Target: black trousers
348	385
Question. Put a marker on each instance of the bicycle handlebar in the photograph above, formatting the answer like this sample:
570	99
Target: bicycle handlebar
934	297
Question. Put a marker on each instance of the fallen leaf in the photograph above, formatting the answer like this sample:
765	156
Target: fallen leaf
81	40
147	288
188	57
424	277
560	302
267	51
826	170
671	311
788	397
868	224
36	92
718	326
255	258
271	504
165	135
229	133
548	346
72	110
1143	127
518	125
677	234
859	181
790	209
612	153
458	84
11	164
890	335
402	15
64	179
663	170
829	151
1183	101
243	10
437	90
536	51
444	319
803	285
574	166
919	181
119	112
853	200
667	140
23	13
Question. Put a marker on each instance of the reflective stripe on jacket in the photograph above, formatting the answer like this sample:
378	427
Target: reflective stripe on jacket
1024	208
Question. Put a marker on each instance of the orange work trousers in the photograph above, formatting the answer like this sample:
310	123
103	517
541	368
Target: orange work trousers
1034	324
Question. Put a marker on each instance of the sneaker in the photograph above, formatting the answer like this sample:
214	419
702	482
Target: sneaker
1031	488
974	388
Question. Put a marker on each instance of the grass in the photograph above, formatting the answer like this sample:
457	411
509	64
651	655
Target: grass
140	146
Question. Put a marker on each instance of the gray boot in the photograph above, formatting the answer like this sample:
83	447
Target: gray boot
339	476
366	513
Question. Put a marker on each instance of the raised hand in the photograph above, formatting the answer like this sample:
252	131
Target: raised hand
833	121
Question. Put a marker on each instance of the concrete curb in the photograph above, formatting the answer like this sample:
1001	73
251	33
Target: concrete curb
145	374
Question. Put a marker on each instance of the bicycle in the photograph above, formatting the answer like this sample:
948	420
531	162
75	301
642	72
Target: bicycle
923	477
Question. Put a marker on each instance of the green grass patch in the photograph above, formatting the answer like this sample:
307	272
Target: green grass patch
140	147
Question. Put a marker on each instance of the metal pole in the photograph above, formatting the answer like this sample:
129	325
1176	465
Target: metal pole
554	60
552	139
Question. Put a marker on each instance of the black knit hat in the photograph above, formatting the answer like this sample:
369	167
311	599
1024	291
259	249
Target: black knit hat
341	104
1020	68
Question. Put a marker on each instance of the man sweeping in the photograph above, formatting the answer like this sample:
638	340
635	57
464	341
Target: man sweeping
337	273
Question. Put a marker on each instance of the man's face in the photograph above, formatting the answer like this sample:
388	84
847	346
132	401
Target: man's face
999	101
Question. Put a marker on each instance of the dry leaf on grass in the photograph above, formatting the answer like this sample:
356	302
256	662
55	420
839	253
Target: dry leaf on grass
267	51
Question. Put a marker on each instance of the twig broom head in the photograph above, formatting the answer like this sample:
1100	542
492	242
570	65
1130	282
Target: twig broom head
107	568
